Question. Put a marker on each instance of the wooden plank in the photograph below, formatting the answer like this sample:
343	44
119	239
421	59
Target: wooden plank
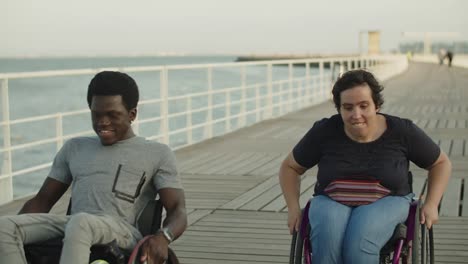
451	123
221	158
253	160
271	168
445	145
262	200
458	146
195	160
451	200
461	124
264	159
279	203
442	123
251	194
196	215
432	123
225	165
423	123
269	131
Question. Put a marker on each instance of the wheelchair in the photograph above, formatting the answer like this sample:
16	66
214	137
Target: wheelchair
148	222
411	242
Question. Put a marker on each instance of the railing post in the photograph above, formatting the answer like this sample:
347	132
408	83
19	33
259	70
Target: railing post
322	77
257	103
164	106
209	116
308	85
269	113
342	69
242	117
189	121
59	130
290	86
6	184
228	112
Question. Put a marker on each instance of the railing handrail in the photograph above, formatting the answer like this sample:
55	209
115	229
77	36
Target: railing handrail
84	71
264	99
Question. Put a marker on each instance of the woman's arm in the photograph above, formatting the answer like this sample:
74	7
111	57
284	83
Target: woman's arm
290	181
439	175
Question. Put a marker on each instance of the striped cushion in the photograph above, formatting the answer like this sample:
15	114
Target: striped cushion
356	192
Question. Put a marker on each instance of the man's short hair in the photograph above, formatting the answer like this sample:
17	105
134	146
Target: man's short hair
114	83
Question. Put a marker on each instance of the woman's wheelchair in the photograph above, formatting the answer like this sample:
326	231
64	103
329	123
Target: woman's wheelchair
411	242
148	222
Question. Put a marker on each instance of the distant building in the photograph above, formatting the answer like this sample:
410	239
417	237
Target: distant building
374	42
460	47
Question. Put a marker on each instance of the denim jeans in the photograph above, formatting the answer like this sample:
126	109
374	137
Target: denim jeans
79	232
343	234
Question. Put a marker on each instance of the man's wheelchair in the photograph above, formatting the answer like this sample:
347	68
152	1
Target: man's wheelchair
148	222
411	242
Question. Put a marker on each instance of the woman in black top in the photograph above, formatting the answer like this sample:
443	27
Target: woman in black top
362	189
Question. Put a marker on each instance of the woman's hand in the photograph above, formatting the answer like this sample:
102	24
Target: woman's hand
429	215
294	220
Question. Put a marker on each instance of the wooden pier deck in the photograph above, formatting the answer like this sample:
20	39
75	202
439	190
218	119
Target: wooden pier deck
236	211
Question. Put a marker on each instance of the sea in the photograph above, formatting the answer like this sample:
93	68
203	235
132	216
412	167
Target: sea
30	97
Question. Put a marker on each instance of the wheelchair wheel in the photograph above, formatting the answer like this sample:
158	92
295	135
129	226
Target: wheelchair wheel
422	250
297	245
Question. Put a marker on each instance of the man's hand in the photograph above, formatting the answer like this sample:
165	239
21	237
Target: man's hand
429	215
155	250
294	220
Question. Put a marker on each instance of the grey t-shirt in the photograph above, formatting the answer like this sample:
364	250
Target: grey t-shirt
116	180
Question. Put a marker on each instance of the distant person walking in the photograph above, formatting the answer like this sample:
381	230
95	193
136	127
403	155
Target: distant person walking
442	54
450	57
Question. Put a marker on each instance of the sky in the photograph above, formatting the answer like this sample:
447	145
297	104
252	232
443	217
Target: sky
149	27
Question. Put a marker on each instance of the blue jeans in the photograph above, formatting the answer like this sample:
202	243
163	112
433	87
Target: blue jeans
343	234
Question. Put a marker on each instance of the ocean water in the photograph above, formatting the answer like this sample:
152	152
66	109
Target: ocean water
32	97
45	64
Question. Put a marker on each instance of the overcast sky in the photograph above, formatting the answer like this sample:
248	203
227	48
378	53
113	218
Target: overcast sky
124	27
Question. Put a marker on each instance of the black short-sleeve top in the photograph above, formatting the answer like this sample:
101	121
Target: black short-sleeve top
386	159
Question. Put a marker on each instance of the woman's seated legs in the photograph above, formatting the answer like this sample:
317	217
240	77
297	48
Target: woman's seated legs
371	226
328	221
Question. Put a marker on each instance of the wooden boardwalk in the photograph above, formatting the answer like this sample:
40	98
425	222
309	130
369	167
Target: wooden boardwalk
236	211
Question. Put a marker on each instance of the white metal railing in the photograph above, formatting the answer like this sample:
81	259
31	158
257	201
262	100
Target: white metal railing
209	112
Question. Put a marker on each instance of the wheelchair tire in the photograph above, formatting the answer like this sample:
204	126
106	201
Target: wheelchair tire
297	246
427	245
422	250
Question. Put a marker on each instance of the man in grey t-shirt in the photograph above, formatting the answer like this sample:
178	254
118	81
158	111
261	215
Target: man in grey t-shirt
113	176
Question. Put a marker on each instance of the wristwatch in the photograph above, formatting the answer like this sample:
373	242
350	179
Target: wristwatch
167	234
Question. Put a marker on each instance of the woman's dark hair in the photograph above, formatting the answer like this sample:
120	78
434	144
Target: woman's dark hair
355	78
114	83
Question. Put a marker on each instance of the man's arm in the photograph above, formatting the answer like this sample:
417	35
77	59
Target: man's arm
173	200
47	196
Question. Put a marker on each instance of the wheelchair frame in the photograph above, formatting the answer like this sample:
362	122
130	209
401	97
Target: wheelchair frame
148	222
409	241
